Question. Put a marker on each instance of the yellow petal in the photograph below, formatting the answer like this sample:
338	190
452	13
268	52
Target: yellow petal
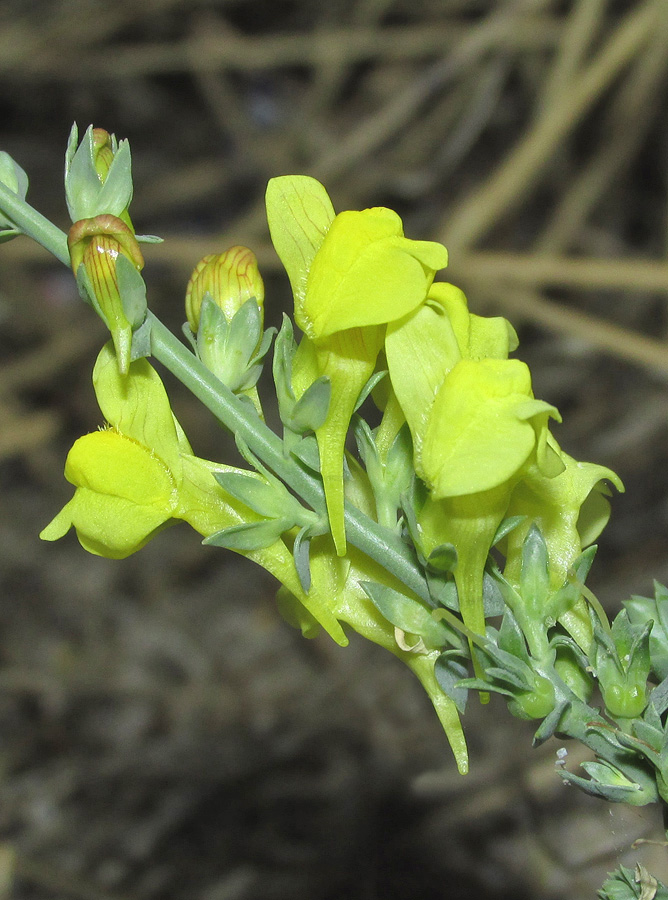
366	273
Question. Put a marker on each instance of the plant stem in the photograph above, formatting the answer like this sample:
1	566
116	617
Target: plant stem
376	541
34	224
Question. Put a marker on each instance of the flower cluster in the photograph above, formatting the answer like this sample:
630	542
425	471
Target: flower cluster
460	535
462	460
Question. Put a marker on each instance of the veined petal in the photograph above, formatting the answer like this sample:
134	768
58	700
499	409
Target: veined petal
570	509
299	213
137	406
124	493
113	464
421	349
476	438
366	273
113	528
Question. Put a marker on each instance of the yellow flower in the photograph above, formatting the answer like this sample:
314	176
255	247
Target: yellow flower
139	475
351	274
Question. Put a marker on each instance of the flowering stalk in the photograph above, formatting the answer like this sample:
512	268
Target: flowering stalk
395	543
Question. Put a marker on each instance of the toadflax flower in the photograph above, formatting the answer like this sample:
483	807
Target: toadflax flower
475	425
351	274
138	475
129	476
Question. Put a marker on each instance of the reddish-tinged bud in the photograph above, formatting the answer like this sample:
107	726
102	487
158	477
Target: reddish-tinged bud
231	278
97	244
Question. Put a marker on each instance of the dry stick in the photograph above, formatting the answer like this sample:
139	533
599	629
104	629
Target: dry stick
329	76
47	877
512	180
483	97
562	271
508	272
395	115
577	36
230	109
633	107
252	54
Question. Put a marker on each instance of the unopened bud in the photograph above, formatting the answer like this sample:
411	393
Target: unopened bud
98	175
99	245
104	146
231	278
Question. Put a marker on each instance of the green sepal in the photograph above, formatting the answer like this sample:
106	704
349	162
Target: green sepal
511	639
443	558
516	670
301	553
622	665
140	347
616	788
306	451
310	412
658	699
234	350
132	289
265	499
572	666
632	884
639	610
534	576
550	723
484	687
495	676
409	615
509	524
390	475
85	192
249	536
370	387
449	672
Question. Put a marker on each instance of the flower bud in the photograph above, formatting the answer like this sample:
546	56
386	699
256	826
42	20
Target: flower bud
536	703
231	278
103	152
98	175
101	245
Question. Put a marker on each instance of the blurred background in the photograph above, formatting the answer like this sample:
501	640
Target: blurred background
163	734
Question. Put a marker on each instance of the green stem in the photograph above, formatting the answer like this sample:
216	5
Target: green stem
34	224
377	542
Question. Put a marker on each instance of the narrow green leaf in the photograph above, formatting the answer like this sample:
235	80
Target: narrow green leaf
449	672
247	537
408	614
